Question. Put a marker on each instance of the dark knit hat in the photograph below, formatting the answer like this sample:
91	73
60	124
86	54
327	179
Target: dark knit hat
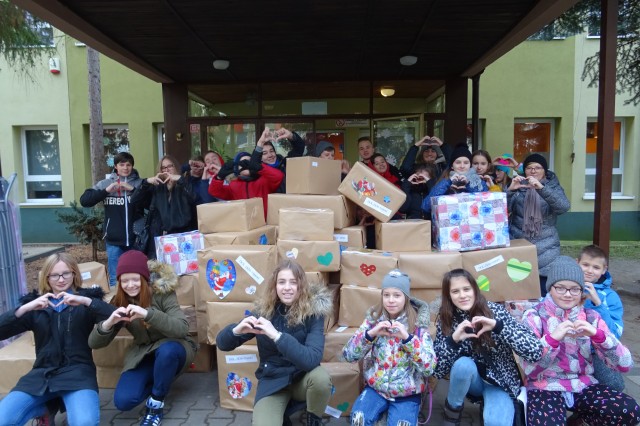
461	150
323	146
397	279
565	268
236	161
535	158
133	261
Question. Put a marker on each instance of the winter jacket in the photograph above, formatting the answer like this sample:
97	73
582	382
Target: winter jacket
165	322
298	350
396	368
554	203
568	365
442	188
297	150
610	308
495	364
119	211
64	360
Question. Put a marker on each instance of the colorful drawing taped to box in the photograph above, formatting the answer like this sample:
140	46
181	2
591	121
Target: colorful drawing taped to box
470	221
180	251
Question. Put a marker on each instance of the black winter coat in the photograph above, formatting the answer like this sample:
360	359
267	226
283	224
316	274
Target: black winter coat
297	149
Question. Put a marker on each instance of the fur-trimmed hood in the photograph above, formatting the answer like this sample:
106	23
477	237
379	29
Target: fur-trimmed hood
321	301
423	319
94	292
162	276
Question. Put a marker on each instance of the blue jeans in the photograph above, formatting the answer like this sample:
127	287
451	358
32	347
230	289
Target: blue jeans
464	379
113	255
83	407
154	375
370	406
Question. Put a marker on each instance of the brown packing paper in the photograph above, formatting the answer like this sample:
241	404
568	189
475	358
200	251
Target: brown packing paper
94	273
365	187
427	268
344	212
297	223
203	361
331	319
323	256
508	273
403	235
234	273
202	324
355	302
312	175
16	360
366	267
264	235
351	236
108	376
334	341
237	382
346	381
190	312
113	354
231	216
187	286
317	277
221	314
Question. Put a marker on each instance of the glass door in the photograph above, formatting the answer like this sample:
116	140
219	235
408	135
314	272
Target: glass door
228	138
394	136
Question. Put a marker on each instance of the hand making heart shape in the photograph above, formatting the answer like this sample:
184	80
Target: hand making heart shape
56	300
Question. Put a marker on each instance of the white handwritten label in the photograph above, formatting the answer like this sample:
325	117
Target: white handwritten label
370	202
86	276
489	263
333	412
341	238
250	269
241	359
341	329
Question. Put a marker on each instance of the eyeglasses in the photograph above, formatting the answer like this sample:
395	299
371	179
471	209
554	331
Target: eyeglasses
64	275
534	169
170	166
574	291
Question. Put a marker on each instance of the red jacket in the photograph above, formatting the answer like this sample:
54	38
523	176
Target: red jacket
268	182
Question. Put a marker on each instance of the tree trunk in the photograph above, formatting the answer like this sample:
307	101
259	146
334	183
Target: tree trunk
94	249
98	166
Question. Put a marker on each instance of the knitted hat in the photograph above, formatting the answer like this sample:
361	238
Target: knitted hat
397	279
503	167
323	146
535	158
236	161
461	150
133	261
565	268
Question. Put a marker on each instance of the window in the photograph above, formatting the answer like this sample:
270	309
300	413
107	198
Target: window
625	21
533	136
591	148
116	140
470	133
41	28
41	165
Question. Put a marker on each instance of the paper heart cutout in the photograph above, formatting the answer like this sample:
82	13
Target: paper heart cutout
367	269
292	254
221	276
343	407
517	270
238	387
325	259
483	283
263	240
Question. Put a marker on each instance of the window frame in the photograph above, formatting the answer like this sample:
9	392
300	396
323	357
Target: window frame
38	178
37	25
591	171
552	136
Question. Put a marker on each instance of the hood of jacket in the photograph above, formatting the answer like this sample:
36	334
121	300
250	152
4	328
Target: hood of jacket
94	292
606	282
162	276
321	301
423	318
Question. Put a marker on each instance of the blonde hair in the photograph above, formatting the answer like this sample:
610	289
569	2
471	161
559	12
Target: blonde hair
408	309
50	263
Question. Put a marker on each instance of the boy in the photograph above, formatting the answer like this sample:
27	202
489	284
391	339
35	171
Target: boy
119	214
365	149
603	299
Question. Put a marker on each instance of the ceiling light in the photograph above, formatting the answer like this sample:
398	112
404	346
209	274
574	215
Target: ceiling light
221	64
387	91
408	60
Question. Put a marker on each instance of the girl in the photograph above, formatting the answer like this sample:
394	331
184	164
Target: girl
459	178
288	323
395	336
417	187
475	342
504	166
563	377
275	160
380	165
481	161
61	318
161	348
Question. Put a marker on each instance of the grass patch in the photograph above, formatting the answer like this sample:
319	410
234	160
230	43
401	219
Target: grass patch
617	250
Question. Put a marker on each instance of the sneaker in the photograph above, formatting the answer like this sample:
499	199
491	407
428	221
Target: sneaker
152	418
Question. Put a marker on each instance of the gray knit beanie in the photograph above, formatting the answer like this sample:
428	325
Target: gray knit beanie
565	268
323	146
397	279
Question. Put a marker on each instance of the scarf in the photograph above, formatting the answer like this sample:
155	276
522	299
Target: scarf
532	214
275	165
474	179
389	176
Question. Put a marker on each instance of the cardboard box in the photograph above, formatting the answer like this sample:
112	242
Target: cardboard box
203	360
187	285
298	223
428	295
403	235
346	382
94	273
108	377
365	187
312	175
234	273
427	268
221	314
366	267
231	216
317	277
264	235
351	236
334	341
508	273
16	360
180	251
190	312
323	256
331	319
470	221
355	302
202	324
237	381
112	355
344	213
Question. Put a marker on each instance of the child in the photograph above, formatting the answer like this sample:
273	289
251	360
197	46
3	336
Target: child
417	187
275	160
481	161
475	342
604	300
383	168
395	335
365	149
326	150
563	377
504	166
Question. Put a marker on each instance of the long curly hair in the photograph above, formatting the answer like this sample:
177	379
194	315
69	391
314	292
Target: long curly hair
479	307
50	262
300	309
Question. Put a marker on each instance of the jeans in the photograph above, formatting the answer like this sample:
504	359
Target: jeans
113	255
370	406
83	407
153	376
464	379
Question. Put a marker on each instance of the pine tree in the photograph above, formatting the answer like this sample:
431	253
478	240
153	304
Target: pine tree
85	224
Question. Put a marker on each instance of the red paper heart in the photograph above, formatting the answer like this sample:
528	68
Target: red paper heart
367	269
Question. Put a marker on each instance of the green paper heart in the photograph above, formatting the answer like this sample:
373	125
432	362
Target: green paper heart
325	259
343	407
483	283
517	270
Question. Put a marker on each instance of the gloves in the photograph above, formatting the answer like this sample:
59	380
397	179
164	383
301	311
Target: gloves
225	170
